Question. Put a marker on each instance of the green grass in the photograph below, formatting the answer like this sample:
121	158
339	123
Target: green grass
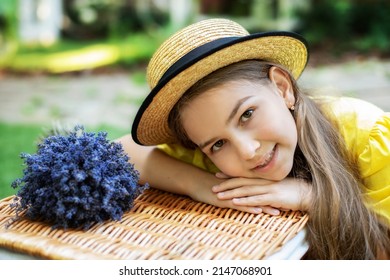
14	140
67	56
18	138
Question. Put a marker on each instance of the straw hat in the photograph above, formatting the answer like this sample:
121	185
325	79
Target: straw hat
196	51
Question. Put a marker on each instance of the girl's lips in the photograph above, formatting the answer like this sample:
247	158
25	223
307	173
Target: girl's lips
266	161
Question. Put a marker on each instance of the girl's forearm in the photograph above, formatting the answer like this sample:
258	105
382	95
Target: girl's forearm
164	172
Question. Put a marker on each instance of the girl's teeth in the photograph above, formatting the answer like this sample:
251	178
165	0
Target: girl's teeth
267	159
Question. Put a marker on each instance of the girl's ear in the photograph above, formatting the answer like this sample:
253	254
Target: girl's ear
283	85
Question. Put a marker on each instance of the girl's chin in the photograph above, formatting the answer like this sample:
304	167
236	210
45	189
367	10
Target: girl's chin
282	173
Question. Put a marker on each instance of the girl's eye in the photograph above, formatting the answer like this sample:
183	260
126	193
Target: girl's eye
247	115
218	145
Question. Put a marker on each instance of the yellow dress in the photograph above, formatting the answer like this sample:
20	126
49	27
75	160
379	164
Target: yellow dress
366	130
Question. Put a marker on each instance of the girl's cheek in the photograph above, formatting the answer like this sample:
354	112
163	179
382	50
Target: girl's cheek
227	162
228	168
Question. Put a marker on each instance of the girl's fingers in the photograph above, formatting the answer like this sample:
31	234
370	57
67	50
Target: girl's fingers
270	210
221	175
260	209
243	191
256	209
253	210
234	183
255	200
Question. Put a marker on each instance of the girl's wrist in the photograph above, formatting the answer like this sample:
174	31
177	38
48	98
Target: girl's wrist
200	186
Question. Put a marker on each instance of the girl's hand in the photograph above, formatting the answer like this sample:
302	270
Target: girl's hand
202	192
287	194
254	209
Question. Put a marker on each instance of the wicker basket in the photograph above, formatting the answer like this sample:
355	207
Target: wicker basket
161	225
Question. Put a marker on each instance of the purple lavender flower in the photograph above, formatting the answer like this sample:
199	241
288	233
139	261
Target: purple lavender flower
76	180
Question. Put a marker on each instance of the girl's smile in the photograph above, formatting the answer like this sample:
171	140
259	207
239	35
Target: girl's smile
267	160
245	128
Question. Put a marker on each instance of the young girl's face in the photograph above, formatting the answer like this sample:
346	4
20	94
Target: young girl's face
245	128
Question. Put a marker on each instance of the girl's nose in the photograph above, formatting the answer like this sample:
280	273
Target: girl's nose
247	147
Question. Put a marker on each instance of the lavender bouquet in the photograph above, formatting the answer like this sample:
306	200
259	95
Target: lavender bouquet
76	180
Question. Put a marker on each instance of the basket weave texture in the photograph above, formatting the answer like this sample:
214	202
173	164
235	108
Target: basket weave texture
161	225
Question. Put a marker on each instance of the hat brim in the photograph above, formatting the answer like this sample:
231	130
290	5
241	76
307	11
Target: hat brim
150	126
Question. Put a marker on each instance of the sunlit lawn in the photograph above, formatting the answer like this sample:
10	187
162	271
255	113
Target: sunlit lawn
66	56
18	138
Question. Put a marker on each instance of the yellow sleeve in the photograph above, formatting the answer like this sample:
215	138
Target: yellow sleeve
374	163
194	157
366	131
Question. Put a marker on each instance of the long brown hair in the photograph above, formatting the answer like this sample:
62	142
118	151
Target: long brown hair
340	225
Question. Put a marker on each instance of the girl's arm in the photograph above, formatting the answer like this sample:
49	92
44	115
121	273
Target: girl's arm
158	169
169	174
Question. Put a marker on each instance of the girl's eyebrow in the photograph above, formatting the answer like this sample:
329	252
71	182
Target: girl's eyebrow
229	119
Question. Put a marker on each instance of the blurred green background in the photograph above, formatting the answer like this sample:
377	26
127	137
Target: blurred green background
65	59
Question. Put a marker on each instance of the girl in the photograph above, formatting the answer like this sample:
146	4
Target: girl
226	102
